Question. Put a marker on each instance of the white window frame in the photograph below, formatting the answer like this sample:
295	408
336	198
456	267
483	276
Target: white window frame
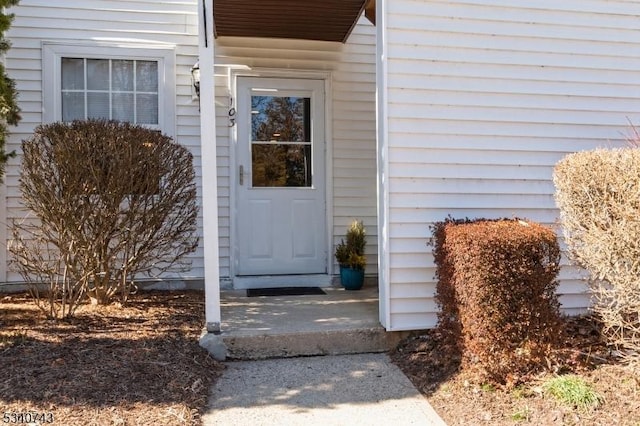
52	54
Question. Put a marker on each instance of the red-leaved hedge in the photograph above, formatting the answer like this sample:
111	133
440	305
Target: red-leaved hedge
497	294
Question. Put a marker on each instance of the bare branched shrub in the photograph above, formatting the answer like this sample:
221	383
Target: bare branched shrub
113	202
598	193
40	263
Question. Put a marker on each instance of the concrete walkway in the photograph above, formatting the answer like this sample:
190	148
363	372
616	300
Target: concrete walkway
363	389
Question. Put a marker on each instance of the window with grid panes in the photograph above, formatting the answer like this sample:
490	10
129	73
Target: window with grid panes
115	89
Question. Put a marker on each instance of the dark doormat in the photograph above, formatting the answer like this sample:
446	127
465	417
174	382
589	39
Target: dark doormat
284	291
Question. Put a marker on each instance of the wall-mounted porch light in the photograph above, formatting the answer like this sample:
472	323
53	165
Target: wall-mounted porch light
195	78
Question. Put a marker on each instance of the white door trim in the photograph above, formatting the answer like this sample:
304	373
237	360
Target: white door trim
233	74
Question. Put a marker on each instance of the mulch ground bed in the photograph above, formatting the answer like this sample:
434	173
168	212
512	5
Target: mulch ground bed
138	364
433	367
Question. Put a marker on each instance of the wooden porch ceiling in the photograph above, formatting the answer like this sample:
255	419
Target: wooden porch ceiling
370	11
328	20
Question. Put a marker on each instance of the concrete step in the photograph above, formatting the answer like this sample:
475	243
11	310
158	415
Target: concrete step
330	342
338	322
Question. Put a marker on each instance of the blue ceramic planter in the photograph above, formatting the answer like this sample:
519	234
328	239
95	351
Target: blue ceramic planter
351	279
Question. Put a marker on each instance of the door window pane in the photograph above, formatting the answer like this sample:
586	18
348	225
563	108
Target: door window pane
278	118
281	141
281	165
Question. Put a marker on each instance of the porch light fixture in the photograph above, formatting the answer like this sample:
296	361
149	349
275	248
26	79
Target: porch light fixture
195	78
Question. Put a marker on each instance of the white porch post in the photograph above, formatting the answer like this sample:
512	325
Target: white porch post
382	147
209	169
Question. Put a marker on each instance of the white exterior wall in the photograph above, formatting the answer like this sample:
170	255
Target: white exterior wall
351	124
114	23
483	97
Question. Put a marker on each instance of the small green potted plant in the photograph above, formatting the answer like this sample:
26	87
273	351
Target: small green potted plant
350	256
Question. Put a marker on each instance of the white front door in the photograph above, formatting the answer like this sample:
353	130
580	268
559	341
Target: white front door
281	213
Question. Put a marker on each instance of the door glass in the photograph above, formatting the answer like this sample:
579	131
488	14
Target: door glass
281	141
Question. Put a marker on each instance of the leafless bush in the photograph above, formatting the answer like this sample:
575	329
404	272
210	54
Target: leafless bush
598	193
113	202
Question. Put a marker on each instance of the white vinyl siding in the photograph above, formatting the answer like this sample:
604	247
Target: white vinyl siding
145	26
483	98
351	124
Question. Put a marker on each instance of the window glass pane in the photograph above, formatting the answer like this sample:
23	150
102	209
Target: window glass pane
277	165
146	76
98	74
72	74
72	106
283	119
119	89
98	105
147	109
122	107
122	75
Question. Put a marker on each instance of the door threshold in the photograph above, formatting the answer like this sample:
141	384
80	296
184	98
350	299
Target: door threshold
266	281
